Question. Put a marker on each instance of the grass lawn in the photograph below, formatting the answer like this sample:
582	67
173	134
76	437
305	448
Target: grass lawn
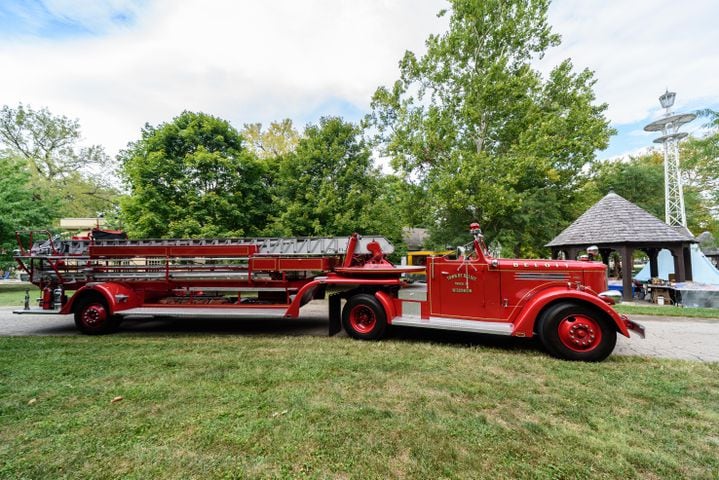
12	294
237	407
667	311
6	286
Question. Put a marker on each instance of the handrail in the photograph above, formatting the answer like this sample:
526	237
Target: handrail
24	251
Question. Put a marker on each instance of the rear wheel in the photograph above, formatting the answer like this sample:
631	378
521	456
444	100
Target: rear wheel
92	316
364	318
575	332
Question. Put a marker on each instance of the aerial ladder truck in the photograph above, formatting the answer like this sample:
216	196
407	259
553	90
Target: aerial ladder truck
563	302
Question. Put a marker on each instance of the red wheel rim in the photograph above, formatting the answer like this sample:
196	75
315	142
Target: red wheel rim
94	315
362	319
580	333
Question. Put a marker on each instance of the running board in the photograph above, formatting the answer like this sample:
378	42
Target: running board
36	311
475	326
204	312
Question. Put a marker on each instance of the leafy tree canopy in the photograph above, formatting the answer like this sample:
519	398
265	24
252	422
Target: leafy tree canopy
193	177
279	139
81	177
329	186
700	161
22	206
48	142
640	180
487	136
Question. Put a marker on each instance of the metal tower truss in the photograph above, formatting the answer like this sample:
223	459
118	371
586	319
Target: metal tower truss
674	211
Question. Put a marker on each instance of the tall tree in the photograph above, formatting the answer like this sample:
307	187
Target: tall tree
82	177
22	206
193	177
640	180
489	137
329	186
700	162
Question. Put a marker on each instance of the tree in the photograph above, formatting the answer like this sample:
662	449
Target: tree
329	186
489	137
279	139
22	206
700	164
640	180
81	177
193	177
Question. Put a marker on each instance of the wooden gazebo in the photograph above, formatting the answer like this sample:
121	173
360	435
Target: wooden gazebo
614	223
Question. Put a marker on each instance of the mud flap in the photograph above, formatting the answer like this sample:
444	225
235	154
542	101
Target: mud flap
335	301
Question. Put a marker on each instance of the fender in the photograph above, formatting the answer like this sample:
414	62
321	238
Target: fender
386	300
306	293
524	323
118	297
308	290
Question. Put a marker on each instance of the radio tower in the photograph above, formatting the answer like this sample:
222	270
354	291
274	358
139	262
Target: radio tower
675	214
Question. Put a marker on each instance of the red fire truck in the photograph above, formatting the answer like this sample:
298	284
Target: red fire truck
114	278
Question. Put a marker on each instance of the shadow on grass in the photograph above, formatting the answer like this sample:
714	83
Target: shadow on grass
463	339
269	327
318	327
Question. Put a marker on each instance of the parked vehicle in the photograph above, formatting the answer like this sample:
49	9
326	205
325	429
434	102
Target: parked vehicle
564	303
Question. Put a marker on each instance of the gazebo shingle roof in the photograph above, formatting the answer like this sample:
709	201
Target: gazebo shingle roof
613	220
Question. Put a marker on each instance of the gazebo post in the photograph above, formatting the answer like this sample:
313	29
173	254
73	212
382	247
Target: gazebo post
679	273
653	253
627	265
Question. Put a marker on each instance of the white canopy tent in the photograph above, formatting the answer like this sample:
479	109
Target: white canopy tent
702	269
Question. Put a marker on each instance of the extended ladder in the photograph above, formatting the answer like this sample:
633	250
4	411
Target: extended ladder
305	246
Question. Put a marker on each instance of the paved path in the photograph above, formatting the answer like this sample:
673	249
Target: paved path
667	337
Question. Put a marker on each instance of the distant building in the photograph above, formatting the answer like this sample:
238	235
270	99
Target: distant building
414	238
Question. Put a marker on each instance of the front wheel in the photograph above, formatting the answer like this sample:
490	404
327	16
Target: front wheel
364	318
576	332
92	316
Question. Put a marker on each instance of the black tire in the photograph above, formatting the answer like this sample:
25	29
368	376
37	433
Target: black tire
364	318
576	332
92	316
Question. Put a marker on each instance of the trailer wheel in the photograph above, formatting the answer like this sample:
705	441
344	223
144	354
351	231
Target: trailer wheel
576	332
92	316
364	318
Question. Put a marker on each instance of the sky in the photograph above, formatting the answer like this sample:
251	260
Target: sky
118	64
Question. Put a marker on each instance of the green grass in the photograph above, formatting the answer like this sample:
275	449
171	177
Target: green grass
7	286
12	294
240	407
667	311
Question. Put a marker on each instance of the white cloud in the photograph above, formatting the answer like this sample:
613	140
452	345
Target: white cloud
636	152
243	61
261	61
639	48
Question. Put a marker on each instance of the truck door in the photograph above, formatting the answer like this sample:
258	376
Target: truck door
463	288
